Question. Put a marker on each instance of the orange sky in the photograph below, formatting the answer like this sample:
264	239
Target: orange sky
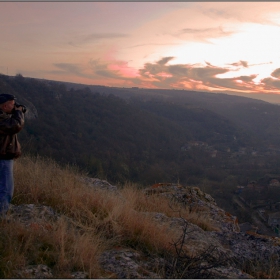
219	46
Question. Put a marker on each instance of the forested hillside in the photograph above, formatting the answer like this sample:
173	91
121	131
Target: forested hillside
214	141
260	119
113	138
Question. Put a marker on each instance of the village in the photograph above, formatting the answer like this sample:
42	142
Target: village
232	153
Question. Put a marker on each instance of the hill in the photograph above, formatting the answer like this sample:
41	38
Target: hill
259	118
214	141
63	224
117	139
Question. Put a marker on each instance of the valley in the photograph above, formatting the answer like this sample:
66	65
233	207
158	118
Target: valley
213	141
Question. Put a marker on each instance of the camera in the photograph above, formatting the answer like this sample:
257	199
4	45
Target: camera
20	105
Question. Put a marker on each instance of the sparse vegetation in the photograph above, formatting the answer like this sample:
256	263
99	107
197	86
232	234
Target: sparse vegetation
183	265
261	268
177	138
215	142
90	222
104	220
60	248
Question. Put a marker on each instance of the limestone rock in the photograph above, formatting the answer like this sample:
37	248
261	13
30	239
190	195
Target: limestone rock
194	199
39	271
227	249
33	215
127	263
99	184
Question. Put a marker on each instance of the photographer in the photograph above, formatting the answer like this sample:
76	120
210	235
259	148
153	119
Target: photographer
11	123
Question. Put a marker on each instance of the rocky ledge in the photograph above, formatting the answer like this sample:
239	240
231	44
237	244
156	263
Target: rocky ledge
220	253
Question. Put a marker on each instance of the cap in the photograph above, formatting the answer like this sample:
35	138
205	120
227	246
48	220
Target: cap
6	97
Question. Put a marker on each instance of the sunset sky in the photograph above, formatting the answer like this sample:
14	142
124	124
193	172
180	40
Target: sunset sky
205	46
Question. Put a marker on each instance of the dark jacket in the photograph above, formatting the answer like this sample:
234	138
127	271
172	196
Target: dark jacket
10	125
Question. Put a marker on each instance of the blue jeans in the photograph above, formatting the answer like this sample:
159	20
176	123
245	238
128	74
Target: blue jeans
6	185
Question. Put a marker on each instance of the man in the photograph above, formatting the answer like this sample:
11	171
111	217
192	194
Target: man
11	123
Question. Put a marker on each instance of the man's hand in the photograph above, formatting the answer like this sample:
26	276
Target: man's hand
18	108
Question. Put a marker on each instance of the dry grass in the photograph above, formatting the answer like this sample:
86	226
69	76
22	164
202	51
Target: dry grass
158	203
103	218
203	221
61	248
260	269
138	230
143	203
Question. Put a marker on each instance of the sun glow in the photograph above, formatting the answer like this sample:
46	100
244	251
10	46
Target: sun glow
256	44
209	46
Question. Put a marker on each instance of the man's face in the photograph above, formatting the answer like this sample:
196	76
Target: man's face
8	106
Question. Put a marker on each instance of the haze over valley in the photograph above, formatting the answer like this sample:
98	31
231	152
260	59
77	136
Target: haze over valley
217	142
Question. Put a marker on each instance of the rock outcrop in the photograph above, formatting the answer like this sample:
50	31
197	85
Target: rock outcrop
219	253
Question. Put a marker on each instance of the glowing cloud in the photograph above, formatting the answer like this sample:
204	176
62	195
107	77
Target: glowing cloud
219	46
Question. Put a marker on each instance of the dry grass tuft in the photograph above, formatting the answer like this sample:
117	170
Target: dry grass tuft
158	203
61	248
96	220
260	269
137	230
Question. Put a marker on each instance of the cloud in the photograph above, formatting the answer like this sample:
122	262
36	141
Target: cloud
115	70
96	37
112	73
99	36
68	67
271	84
255	12
204	33
102	69
217	13
71	68
276	73
152	44
240	63
165	60
247	78
197	77
181	70
163	74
